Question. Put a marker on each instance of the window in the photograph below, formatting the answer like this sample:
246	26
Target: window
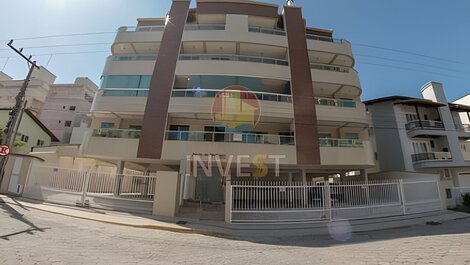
411	117
214	133
351	136
24	138
107	125
324	135
68	123
135	127
178	132
40	143
72	108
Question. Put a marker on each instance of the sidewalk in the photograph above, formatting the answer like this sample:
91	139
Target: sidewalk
221	229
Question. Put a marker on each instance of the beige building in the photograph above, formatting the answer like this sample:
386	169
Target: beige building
36	93
66	108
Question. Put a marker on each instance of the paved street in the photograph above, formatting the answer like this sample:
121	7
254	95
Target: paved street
30	236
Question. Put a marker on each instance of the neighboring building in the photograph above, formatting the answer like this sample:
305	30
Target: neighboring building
424	135
289	90
38	88
31	131
66	108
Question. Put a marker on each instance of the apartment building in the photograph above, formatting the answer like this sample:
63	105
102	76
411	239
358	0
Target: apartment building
422	135
38	88
66	107
230	78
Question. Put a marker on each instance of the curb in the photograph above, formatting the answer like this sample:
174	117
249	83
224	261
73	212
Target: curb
155	227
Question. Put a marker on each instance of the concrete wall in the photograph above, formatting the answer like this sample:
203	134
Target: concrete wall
388	138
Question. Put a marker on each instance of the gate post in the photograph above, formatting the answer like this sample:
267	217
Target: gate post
228	200
402	195
85	188
327	200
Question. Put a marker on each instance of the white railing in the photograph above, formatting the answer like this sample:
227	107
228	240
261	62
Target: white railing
272	202
72	186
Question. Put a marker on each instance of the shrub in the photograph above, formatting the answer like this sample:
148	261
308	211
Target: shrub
466	199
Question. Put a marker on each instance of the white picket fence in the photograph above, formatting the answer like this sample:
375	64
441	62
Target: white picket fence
273	202
78	187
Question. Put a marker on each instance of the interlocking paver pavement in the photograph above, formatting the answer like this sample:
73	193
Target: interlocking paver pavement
29	236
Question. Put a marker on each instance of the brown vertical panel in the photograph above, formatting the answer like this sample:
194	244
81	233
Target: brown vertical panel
156	110
305	117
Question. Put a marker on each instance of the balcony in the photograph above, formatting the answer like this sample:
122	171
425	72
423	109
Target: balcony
425	125
431	156
342	103
323	38
162	28
348	143
463	127
225	137
212	93
278	32
116	133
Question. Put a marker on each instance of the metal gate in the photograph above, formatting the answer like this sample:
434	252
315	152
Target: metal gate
87	188
273	202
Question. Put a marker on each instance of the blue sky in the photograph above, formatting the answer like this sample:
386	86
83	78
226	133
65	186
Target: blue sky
432	35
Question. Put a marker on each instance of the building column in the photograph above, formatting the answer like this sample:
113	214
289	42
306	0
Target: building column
419	116
166	194
303	98
163	78
118	179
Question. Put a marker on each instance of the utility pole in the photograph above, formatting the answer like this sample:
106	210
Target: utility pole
11	128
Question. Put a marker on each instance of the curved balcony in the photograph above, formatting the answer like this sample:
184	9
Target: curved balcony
212	93
122	63
229	137
431	156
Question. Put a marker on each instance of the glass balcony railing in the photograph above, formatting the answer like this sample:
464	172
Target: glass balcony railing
117	133
322	38
140	28
329	67
230	137
135	92
211	93
204	27
238	58
134	58
162	28
278	32
329	142
344	103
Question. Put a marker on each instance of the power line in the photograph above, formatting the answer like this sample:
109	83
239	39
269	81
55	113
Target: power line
63	45
63	35
411	69
62	53
409	62
407	52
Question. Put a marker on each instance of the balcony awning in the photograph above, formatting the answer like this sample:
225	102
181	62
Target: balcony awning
420	102
459	108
